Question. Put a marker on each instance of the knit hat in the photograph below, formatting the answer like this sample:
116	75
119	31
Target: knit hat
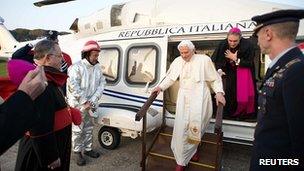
17	70
91	45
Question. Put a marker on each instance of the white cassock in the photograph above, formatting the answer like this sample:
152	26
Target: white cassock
194	103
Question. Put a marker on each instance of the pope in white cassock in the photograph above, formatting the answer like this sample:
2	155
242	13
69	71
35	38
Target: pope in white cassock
194	105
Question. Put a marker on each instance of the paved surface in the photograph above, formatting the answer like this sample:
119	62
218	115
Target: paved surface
127	156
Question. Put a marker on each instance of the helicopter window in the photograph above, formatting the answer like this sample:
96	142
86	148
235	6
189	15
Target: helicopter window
99	25
141	65
116	15
87	26
109	60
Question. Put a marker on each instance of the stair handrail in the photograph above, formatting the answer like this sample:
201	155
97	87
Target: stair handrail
219	119
219	109
142	114
143	110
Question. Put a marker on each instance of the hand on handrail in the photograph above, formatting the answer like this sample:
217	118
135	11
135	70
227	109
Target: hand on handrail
220	99
157	90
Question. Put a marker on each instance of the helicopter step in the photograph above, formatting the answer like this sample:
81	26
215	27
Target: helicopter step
161	157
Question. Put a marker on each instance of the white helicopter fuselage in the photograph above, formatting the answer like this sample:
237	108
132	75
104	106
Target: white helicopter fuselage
138	42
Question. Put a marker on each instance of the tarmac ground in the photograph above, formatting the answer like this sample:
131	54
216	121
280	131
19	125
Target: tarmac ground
128	155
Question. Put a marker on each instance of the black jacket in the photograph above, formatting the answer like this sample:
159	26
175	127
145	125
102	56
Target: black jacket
17	115
246	55
279	132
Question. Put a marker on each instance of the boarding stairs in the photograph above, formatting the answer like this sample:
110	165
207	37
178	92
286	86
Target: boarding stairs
159	157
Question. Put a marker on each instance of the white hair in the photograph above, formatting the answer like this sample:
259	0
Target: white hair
187	43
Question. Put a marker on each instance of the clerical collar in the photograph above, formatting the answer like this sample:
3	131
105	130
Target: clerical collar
275	60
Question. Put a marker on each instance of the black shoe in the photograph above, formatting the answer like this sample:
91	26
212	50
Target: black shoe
80	159
92	154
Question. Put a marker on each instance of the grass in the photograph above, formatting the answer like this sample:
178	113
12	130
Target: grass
3	71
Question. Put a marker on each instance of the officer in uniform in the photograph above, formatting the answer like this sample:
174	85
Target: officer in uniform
279	138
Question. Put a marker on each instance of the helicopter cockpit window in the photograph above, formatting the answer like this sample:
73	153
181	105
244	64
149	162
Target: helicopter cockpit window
99	25
87	26
141	65
109	60
116	15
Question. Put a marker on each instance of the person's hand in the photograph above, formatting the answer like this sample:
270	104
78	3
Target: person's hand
55	164
157	90
34	83
221	72
86	106
230	55
220	99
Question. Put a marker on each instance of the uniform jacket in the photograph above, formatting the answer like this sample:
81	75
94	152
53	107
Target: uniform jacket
280	124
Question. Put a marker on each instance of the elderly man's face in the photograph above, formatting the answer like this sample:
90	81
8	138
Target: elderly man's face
233	40
186	53
55	58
